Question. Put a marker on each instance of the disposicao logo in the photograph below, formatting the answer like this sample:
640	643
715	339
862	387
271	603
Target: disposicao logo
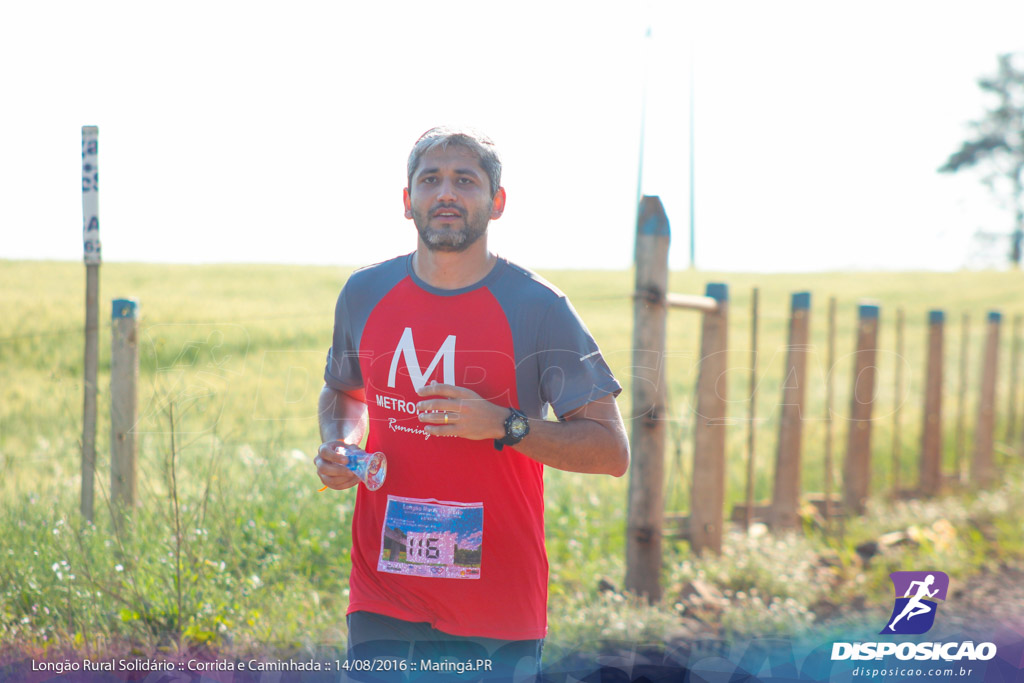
913	613
917	596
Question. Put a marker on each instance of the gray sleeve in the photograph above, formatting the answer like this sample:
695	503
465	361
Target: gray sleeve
572	370
342	371
362	292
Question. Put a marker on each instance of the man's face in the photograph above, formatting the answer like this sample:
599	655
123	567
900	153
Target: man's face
450	199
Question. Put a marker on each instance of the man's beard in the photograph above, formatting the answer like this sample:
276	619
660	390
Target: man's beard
450	239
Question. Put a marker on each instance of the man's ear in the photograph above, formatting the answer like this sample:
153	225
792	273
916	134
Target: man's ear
407	201
498	204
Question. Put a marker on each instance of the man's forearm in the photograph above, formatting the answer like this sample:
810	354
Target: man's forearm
342	417
581	445
589	439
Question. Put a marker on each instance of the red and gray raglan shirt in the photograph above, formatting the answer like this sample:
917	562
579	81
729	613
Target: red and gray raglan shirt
455	536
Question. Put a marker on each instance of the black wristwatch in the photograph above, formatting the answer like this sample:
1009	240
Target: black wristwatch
517	426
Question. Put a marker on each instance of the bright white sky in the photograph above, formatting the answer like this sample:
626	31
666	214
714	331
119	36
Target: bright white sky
278	132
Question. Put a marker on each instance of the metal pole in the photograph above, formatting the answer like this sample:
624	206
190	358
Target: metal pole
643	116
693	194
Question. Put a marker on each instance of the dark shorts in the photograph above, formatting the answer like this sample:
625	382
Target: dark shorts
382	648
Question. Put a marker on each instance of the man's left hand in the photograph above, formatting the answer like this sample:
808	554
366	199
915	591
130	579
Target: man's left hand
460	412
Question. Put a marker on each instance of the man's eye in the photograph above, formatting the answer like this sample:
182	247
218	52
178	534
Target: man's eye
428	179
465	181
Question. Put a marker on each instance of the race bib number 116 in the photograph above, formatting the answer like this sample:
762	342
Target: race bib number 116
431	538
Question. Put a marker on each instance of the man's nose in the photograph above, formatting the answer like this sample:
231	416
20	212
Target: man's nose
446	192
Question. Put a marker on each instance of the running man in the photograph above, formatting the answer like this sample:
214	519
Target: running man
915	605
448	359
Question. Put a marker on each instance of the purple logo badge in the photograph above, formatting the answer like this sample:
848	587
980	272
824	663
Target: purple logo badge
917	596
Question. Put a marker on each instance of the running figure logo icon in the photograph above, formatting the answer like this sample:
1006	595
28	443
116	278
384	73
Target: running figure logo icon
917	596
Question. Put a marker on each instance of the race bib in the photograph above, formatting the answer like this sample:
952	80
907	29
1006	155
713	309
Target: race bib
432	538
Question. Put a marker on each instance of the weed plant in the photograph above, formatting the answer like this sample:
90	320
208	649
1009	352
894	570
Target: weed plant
244	557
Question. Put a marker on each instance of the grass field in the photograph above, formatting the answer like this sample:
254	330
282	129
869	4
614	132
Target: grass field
235	548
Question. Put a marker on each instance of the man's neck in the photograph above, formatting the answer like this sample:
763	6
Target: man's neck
453	270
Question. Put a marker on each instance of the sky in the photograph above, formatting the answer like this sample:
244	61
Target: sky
278	132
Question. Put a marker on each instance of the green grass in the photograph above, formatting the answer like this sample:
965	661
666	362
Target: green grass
239	351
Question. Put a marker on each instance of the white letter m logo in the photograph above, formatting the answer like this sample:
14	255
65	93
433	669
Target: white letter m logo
407	348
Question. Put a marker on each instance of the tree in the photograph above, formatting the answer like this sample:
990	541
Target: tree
997	146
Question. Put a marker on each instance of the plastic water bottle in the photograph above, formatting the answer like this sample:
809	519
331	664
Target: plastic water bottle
371	468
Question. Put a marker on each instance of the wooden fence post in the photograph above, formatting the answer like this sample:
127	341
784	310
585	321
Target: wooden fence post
982	466
960	454
931	431
751	411
646	486
829	400
93	259
786	493
90	388
857	468
124	373
707	497
1011	409
897	413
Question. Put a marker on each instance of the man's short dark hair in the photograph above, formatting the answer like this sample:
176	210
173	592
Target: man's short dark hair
473	140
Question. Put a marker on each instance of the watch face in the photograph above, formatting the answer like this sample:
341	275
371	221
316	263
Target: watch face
518	427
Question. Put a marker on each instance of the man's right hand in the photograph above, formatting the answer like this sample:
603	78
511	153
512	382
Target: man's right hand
343	420
330	466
